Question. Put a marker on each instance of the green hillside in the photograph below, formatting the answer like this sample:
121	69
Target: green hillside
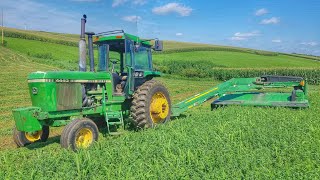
169	46
66	56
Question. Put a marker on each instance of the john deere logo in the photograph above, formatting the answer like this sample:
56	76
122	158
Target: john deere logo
34	90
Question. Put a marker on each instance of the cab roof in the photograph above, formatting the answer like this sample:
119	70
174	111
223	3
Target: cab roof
118	35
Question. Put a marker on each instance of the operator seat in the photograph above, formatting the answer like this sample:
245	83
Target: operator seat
119	83
116	79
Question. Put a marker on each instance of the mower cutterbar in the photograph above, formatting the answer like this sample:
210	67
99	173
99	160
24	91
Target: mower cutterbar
248	91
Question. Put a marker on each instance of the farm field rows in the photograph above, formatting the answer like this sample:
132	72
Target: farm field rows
221	65
230	142
64	54
237	59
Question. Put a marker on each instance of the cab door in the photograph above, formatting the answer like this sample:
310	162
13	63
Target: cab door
129	63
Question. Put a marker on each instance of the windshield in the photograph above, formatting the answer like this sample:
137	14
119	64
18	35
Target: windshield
143	58
103	57
111	56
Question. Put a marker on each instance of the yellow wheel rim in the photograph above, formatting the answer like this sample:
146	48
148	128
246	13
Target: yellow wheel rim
84	138
159	107
32	137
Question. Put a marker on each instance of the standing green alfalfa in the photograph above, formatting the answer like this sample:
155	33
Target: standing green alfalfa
312	75
201	70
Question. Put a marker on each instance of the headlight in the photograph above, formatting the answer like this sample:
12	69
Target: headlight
136	74
140	74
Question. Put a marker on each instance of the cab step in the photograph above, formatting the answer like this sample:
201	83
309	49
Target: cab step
114	118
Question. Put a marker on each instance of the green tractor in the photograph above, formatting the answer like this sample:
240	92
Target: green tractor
123	85
123	88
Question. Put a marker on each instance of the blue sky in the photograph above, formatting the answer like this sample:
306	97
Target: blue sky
277	25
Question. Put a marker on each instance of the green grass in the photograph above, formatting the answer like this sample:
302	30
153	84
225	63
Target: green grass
59	55
231	142
14	88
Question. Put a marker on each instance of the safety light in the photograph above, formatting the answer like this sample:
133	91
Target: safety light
302	83
118	37
96	38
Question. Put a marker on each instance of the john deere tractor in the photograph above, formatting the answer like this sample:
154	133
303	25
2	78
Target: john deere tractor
123	88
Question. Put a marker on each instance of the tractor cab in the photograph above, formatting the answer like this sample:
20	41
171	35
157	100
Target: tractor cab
127	57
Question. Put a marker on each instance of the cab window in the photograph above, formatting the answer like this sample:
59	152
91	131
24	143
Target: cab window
142	58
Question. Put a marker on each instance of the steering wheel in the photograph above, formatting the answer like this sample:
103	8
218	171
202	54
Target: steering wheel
114	61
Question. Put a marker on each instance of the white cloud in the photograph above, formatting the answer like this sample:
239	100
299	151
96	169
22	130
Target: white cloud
309	43
139	2
273	20
180	9
235	38
131	18
25	14
261	12
179	34
238	36
276	41
249	34
116	3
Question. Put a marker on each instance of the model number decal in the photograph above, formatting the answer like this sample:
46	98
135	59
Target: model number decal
80	81
62	80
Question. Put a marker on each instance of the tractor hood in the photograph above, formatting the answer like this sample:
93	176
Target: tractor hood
68	75
61	90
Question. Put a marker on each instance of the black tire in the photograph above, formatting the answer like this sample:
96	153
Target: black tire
22	138
141	103
76	132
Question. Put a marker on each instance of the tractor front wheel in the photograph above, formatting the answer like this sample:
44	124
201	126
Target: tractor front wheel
151	105
79	134
23	138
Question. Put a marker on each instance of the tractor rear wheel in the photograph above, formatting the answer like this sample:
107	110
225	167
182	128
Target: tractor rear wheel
79	134
23	138
151	105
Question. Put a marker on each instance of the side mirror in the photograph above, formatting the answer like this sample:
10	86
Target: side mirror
158	45
136	47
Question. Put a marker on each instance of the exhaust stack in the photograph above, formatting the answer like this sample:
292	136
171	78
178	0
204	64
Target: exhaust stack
90	48
82	45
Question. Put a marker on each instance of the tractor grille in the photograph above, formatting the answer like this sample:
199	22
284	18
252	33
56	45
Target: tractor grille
69	96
